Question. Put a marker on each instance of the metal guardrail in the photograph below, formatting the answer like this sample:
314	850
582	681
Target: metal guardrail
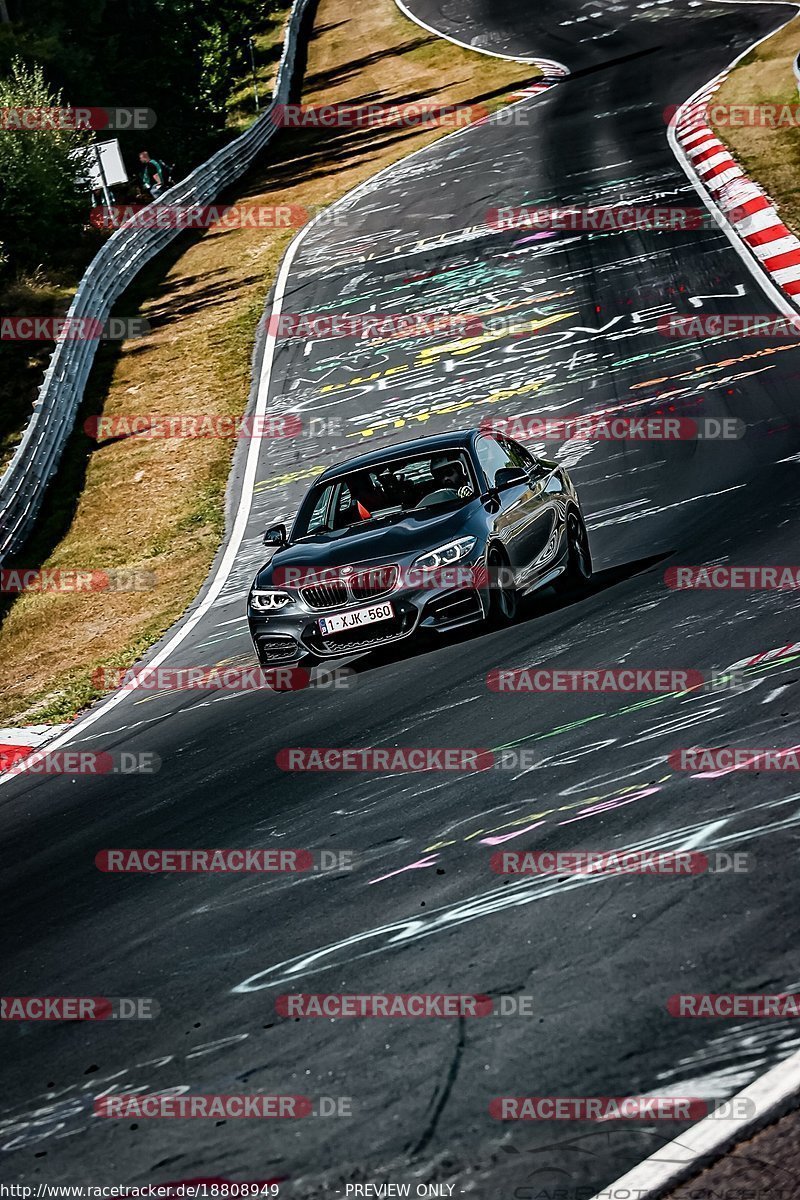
36	459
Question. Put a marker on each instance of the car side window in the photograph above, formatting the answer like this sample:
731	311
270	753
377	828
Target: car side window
493	457
344	508
519	455
345	499
318	517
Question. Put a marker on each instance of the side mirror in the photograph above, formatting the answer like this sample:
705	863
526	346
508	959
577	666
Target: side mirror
276	536
508	477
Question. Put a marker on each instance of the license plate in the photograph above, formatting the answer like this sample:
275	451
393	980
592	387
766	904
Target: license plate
355	618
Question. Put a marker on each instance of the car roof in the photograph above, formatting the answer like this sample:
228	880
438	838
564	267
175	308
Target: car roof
459	440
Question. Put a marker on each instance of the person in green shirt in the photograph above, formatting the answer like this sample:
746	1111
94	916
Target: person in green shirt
154	175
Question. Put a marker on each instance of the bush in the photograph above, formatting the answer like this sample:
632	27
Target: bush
41	206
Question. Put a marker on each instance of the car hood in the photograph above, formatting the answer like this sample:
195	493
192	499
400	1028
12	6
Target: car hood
384	543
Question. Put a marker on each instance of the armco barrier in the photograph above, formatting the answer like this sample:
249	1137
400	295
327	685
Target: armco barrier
36	459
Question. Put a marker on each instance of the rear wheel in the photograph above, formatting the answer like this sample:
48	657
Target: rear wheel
578	573
503	595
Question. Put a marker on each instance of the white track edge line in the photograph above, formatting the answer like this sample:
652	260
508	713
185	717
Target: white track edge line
538	62
709	1139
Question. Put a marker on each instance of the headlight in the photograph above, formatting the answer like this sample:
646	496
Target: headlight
269	601
443	556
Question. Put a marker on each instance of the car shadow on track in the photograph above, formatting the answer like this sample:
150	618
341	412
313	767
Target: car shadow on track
534	607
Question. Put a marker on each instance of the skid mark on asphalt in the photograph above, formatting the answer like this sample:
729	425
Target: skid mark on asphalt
53	1113
411	930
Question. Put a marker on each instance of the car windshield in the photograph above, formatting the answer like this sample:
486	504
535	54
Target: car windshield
387	491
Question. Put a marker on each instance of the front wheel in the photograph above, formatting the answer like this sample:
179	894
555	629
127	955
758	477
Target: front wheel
503	595
578	573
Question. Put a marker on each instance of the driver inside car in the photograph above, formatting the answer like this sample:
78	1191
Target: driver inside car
449	473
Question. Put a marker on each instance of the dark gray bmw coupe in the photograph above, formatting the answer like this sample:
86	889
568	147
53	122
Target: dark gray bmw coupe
428	535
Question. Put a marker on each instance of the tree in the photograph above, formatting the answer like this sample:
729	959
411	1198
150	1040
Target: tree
180	58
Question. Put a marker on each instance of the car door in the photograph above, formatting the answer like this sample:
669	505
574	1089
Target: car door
521	522
546	509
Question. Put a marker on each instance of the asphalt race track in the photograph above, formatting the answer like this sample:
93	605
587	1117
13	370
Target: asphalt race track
421	911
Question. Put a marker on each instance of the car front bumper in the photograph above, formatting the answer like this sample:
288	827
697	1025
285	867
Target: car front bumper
292	633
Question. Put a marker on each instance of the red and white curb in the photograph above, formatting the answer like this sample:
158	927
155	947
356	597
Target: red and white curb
17	743
527	93
771	1096
764	242
766	656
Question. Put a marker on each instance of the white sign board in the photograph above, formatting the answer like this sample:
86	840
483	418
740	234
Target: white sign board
99	164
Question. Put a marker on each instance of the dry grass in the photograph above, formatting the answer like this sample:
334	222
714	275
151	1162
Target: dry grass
157	505
770	156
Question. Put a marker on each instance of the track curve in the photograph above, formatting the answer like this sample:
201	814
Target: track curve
423	912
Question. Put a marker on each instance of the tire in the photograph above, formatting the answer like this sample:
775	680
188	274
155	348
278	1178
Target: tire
578	573
503	595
